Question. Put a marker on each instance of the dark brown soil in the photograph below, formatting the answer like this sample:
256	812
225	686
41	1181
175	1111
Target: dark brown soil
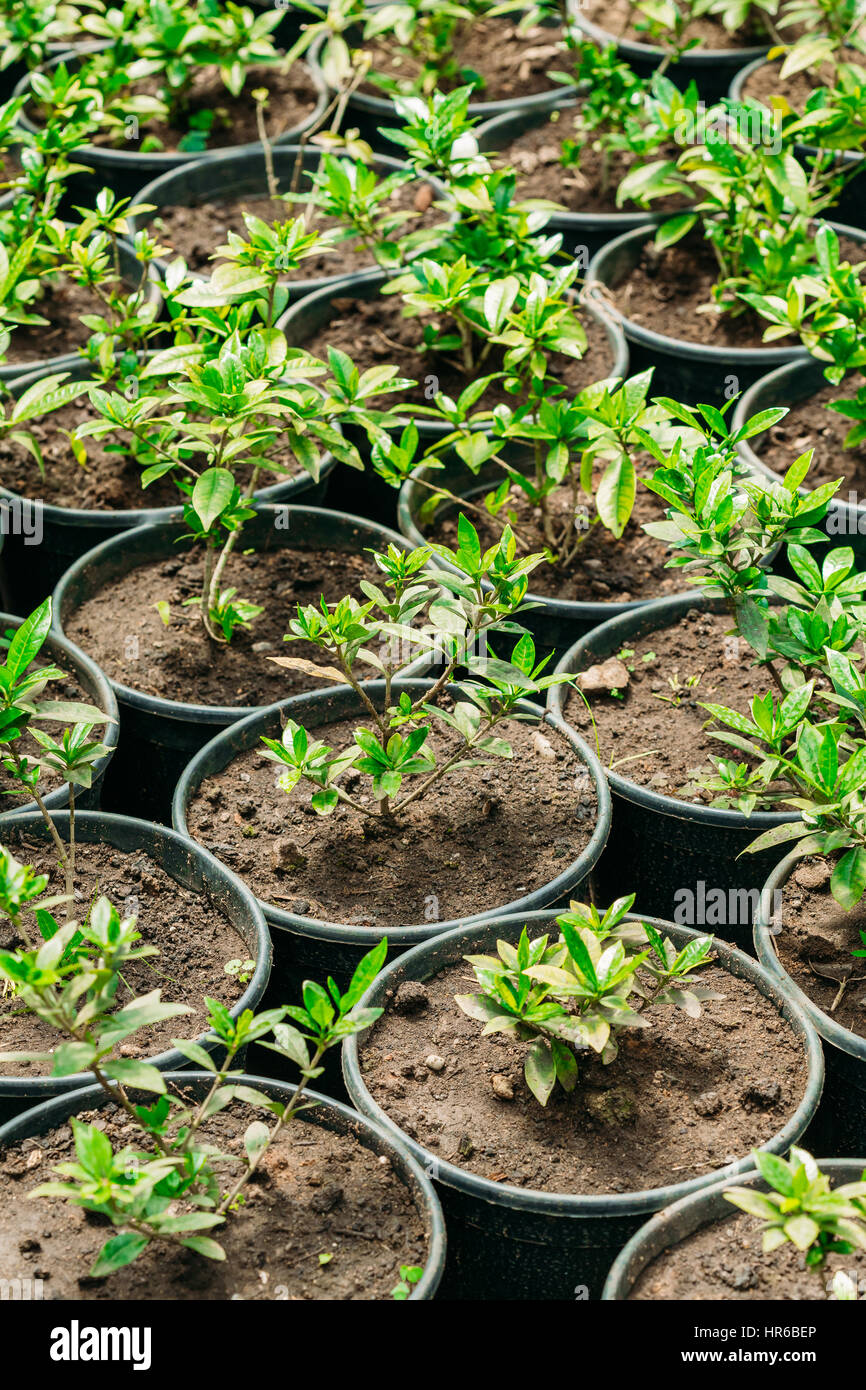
196	230
615	16
536	155
815	943
669	291
291	98
684	1096
667	747
605	570
374	331
110	480
62	305
510	63
194	937
179	662
474	841
725	1261
66	689
316	1193
812	425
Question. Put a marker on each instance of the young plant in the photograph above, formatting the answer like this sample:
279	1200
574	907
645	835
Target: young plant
23	711
220	422
28	28
169	1184
802	1209
751	199
576	993
478	594
171	41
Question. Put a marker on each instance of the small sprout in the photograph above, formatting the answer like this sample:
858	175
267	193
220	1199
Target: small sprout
409	1275
164	611
241	969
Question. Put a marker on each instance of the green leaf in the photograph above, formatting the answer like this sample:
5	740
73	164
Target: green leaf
132	1073
775	1172
118	1251
211	495
540	1070
203	1245
28	640
256	1138
848	880
616	494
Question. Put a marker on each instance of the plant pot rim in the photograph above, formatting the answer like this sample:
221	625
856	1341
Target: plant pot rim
103	694
126	518
96	827
732	357
667	610
221	163
50	1113
242	737
762	935
105	156
591	302
570	609
735	93
578	1204
788	373
157	704
701	57
622	1278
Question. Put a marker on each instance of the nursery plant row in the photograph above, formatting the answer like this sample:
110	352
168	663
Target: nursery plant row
432	673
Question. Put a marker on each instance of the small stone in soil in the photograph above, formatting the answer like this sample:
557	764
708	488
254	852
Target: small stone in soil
812	876
762	1093
710	1103
502	1087
601	680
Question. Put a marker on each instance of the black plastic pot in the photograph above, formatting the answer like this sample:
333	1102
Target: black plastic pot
368	493
97	690
845	522
127	171
851	207
70	532
516	1243
690	372
690	1215
371	114
158	737
243	172
840	1124
583	233
130	270
711	68
555	623
189	865
672	846
323	1112
307	948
